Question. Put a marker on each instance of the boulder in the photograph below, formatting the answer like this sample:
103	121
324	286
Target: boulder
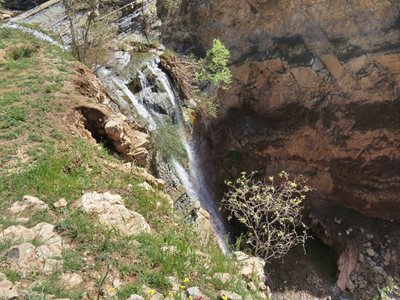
28	257
21	254
28	202
110	211
7	289
251	266
52	265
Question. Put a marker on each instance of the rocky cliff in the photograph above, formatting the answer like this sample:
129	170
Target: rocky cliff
316	91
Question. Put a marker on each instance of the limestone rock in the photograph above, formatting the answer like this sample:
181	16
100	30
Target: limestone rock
71	279
229	295
7	289
251	266
195	293
117	283
28	202
145	186
110	211
204	224
135	297
62	203
370	252
132	144
52	265
21	253
25	255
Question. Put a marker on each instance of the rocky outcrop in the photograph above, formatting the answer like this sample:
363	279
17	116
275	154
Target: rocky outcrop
110	210
27	203
26	256
316	91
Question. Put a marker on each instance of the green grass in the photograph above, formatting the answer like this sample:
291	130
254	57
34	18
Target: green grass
52	285
73	260
56	164
13	276
168	142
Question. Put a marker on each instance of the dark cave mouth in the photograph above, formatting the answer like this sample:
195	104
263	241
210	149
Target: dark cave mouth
94	121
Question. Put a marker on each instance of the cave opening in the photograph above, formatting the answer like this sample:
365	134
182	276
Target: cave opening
94	121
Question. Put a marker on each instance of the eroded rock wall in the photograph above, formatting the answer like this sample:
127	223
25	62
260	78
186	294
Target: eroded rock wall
316	91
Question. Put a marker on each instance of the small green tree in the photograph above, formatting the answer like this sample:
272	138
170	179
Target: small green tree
270	212
215	66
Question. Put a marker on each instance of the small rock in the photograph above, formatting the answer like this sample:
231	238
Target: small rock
5	16
28	202
194	292
7	290
117	283
251	266
370	236
229	295
51	265
71	279
350	285
169	249
20	253
135	297
379	279
145	186
370	252
62	203
338	220
223	277
251	286
22	220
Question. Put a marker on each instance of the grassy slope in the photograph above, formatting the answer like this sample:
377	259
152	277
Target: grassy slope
41	155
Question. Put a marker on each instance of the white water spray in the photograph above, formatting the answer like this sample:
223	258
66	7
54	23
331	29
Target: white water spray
194	183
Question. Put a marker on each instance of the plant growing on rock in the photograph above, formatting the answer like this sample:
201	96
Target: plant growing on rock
269	211
169	143
215	66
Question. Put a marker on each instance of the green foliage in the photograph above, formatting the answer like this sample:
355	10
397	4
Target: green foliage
168	142
127	290
13	276
73	260
54	286
216	68
172	6
24	51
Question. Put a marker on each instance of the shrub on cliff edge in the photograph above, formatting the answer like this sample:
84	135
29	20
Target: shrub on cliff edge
269	211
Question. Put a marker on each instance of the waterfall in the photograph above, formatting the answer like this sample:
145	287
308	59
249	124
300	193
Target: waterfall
194	181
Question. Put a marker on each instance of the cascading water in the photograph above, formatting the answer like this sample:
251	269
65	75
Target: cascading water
194	182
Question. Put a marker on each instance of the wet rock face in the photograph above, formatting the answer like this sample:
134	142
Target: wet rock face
22	4
316	91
